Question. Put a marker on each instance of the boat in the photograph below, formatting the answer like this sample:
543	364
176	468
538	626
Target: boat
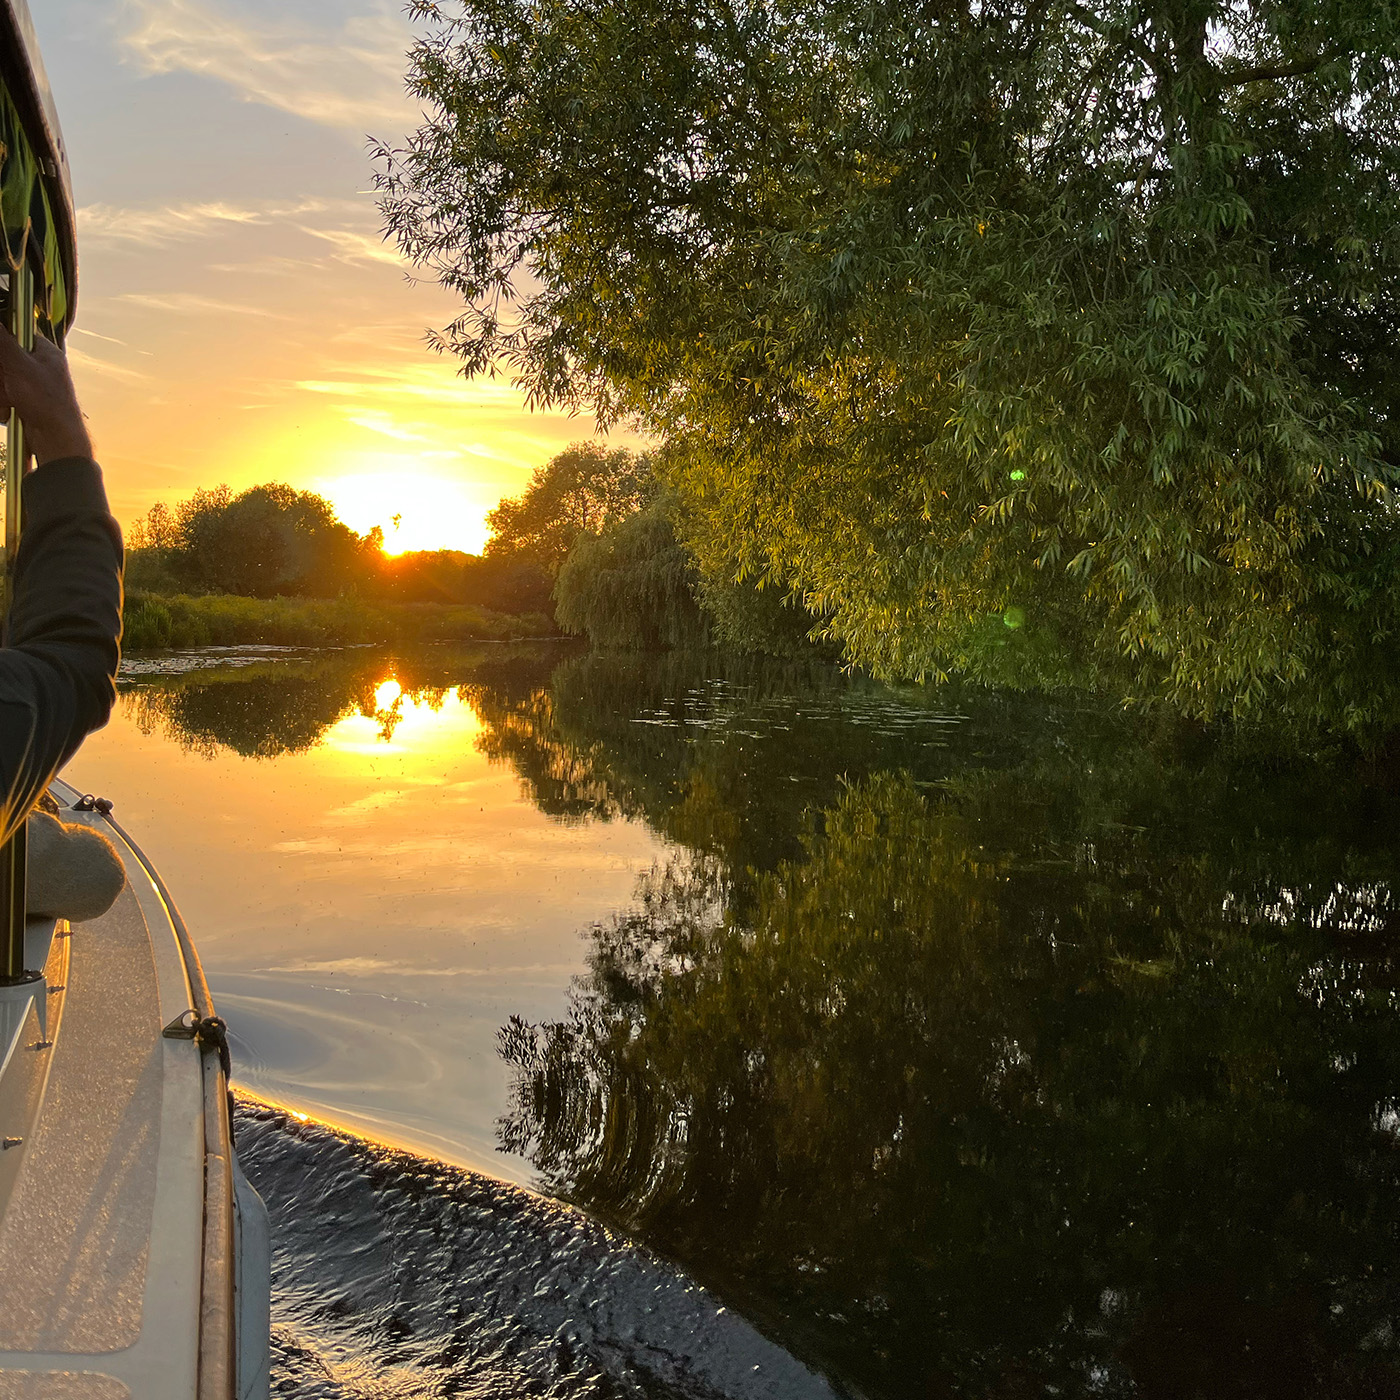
134	1255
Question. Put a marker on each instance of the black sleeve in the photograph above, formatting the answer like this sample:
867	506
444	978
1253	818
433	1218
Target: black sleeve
58	667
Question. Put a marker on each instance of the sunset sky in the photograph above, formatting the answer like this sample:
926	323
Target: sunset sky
239	318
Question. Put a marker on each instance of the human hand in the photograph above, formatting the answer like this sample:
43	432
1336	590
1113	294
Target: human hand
38	385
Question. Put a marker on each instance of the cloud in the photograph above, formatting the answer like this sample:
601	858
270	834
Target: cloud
115	224
354	247
428	381
109	339
349	226
401	336
191	303
349	77
382	423
92	365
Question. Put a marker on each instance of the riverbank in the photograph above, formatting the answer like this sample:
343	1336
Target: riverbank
157	620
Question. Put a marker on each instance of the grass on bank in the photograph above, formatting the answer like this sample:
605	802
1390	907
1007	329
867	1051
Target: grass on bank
155	621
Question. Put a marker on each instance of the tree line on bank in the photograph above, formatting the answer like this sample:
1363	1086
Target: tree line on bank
273	541
595	542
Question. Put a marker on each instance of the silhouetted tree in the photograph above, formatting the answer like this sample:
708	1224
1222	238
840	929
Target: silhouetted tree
580	491
266	541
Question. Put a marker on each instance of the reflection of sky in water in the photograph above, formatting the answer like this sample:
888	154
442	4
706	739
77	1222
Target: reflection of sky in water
1029	1028
370	911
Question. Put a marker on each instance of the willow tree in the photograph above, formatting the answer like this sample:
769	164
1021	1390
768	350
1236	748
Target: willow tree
1078	315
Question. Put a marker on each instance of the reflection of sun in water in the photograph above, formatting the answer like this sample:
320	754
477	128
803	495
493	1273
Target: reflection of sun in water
405	726
414	509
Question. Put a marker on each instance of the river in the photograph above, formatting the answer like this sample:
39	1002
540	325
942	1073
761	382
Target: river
702	1026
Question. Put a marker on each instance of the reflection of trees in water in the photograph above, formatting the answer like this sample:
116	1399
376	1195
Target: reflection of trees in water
1046	1047
263	712
719	754
1079	1072
564	777
271	709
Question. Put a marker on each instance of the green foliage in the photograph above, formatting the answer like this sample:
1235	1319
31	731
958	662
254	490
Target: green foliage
633	586
500	582
153	621
748	615
953	309
631	582
424	576
581	491
507	583
266	542
747	611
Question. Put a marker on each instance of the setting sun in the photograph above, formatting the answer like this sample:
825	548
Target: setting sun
415	510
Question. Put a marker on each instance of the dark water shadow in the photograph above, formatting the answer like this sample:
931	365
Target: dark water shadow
983	1045
970	1044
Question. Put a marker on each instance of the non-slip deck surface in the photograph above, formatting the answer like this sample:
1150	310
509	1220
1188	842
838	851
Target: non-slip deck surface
60	1385
75	1240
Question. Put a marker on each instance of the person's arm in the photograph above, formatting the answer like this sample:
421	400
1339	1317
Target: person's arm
58	666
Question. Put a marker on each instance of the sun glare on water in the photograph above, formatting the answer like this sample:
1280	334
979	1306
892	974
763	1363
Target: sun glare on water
415	510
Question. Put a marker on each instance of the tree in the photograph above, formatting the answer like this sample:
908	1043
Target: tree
952	309
632	586
581	491
156	530
636	586
268	540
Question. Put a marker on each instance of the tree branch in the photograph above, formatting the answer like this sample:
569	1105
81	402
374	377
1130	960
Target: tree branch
1237	77
1119	35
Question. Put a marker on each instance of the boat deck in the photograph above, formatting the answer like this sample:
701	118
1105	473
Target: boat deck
112	1197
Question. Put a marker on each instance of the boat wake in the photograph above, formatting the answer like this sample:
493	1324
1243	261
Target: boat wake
397	1277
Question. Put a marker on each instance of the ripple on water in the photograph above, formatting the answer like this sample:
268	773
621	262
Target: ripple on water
397	1276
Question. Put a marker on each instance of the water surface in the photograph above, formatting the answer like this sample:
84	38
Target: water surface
371	894
965	1044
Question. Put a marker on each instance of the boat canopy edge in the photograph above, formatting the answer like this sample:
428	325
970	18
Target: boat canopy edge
36	190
